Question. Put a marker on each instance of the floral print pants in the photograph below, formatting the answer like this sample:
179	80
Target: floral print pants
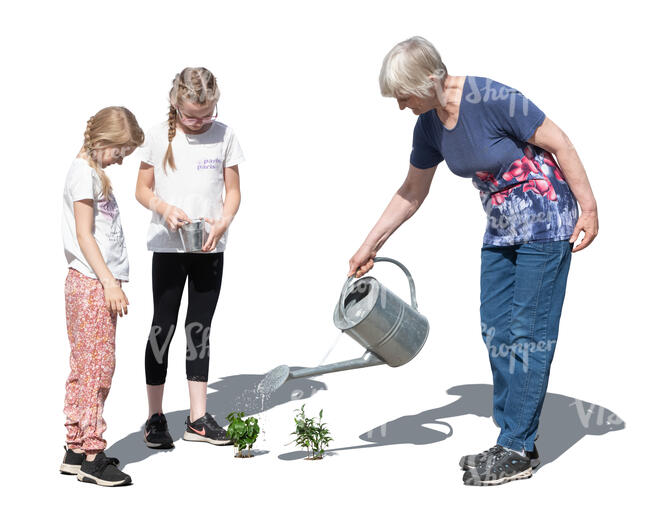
91	331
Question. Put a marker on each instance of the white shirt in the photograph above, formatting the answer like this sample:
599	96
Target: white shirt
83	183
197	185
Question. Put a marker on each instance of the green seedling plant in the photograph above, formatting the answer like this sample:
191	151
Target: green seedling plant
311	434
243	433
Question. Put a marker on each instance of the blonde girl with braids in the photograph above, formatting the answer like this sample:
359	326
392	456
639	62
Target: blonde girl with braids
189	161
97	265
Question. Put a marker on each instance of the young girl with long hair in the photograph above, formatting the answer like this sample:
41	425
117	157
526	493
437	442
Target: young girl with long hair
188	161
97	265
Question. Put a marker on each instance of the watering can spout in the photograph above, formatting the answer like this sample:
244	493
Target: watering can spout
367	360
275	378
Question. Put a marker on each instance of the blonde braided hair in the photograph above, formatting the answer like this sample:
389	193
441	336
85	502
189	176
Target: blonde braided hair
110	127
192	84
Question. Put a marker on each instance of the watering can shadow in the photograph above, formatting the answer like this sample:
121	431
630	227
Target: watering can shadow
391	330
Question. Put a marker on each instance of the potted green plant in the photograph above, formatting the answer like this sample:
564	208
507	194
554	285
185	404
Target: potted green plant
243	433
310	434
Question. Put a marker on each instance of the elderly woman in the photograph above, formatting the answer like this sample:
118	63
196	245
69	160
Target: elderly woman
530	181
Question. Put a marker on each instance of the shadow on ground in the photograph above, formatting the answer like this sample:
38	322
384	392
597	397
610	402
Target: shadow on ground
564	422
230	393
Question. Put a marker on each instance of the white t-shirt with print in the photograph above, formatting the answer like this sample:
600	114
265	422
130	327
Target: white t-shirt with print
83	183
197	184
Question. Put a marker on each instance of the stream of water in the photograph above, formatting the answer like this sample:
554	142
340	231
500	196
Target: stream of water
252	400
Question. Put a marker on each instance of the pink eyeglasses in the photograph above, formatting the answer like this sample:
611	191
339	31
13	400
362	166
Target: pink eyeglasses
193	121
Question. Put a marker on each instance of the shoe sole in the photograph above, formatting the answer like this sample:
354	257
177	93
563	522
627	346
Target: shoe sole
189	436
70	470
87	478
525	474
159	446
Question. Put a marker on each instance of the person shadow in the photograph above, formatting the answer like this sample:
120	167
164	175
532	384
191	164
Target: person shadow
230	393
563	423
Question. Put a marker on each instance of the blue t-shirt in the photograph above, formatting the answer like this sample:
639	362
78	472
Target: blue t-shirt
523	190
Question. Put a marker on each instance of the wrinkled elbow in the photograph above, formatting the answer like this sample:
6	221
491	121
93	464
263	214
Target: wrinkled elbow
414	201
413	207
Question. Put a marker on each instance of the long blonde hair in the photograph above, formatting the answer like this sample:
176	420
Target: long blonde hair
110	127
192	84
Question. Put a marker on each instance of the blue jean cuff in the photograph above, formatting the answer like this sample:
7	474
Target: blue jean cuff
510	443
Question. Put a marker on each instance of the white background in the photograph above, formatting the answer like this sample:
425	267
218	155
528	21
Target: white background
325	152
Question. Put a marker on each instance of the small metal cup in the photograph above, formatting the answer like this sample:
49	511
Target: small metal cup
193	235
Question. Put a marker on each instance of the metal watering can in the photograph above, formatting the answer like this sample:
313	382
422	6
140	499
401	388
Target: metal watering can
391	331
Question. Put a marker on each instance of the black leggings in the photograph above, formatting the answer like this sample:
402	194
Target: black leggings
169	272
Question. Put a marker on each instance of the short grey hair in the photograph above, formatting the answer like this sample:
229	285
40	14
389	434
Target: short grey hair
407	67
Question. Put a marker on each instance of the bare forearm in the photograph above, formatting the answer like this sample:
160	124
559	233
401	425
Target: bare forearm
230	207
576	177
551	138
148	199
400	208
406	201
93	255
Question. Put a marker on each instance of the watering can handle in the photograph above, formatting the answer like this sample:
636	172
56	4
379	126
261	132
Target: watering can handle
414	302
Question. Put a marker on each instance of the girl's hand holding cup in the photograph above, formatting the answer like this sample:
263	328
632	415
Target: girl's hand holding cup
215	234
175	217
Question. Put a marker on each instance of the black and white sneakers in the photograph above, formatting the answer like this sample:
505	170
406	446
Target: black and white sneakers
156	433
71	462
498	466
103	471
472	460
206	429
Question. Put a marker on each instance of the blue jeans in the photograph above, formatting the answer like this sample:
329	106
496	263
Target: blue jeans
522	291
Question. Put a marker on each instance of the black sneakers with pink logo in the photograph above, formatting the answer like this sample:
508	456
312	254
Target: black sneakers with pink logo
206	429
